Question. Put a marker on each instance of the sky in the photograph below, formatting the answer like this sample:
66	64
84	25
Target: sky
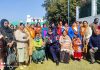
16	10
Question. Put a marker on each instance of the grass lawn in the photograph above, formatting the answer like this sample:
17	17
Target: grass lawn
73	65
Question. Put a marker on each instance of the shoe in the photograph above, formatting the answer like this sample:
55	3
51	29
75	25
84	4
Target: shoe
92	62
41	62
79	60
57	63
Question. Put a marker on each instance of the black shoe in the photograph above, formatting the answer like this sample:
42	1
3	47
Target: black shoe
41	62
57	63
67	62
92	62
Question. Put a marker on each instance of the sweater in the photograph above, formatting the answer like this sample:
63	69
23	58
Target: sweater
95	41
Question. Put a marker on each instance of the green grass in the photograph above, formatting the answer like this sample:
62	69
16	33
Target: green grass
73	65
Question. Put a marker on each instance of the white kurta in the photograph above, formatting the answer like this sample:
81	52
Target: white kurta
22	47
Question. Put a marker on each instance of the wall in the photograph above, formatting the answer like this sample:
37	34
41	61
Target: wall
89	19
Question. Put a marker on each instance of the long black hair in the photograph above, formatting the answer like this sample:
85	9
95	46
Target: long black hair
2	22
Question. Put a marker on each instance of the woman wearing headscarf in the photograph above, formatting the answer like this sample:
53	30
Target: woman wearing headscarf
22	40
7	32
9	39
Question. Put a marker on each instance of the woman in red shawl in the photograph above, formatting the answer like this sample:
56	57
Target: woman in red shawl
59	30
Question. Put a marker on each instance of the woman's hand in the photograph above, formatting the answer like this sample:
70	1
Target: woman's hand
10	44
1	36
44	43
76	32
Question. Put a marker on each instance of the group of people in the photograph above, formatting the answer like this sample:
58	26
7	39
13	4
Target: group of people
28	42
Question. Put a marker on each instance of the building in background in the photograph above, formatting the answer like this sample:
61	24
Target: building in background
89	11
34	20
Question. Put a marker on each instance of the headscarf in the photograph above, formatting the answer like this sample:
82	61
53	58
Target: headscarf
6	30
2	22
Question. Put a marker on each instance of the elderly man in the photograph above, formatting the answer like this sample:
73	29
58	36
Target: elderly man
95	25
94	44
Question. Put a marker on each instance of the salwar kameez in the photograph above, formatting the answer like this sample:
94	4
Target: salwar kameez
66	48
22	46
77	48
31	34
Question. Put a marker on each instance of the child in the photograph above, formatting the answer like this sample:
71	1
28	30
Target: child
77	48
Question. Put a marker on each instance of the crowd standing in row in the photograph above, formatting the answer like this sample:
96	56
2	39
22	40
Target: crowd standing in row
26	43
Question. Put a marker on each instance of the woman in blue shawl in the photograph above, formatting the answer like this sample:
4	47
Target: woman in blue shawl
74	30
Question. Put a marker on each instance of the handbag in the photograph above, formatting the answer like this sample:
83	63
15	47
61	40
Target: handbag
11	58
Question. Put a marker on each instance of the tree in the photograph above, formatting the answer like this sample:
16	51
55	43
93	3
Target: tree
58	9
